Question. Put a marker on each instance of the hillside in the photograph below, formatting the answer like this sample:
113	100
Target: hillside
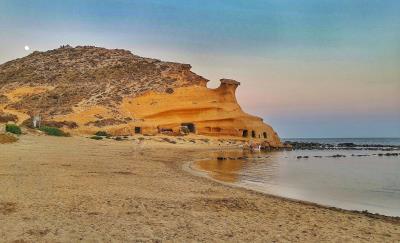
84	89
89	76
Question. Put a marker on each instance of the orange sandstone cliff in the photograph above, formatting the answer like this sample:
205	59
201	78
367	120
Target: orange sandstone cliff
86	89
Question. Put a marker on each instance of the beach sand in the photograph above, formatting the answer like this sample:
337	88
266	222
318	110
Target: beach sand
77	189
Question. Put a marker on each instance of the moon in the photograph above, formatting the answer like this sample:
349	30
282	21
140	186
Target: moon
26	48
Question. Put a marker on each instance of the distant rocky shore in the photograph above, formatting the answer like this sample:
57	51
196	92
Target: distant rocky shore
339	146
352	155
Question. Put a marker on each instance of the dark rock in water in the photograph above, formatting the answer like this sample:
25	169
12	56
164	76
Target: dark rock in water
317	156
305	145
299	157
221	158
346	145
337	156
391	154
360	155
340	146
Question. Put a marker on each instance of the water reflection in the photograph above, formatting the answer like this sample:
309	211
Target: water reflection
368	182
237	164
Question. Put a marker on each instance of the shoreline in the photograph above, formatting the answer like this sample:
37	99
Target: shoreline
190	167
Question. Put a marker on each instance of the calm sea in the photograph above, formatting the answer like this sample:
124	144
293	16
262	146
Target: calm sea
383	141
359	181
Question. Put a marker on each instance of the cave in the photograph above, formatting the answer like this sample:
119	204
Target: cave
191	127
138	130
245	133
165	130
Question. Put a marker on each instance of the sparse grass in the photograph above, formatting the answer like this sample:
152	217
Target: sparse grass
102	134
12	128
7	138
53	131
96	137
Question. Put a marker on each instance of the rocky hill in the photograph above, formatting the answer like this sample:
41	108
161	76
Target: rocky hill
89	75
86	89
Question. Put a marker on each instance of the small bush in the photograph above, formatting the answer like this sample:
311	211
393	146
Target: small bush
102	134
7	138
53	131
12	128
96	137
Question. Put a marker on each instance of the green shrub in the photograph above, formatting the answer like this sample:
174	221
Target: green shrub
12	128
96	137
53	131
102	134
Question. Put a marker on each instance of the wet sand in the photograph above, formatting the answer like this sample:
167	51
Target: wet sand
72	189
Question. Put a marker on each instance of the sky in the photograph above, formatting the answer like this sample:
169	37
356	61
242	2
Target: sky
310	68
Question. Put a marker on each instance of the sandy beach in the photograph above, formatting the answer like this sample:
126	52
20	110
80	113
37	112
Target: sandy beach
77	189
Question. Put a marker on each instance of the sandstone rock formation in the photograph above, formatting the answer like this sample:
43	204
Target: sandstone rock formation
123	94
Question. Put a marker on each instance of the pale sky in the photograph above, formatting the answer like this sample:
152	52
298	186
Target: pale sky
310	68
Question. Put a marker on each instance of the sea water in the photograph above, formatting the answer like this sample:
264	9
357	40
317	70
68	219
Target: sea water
360	181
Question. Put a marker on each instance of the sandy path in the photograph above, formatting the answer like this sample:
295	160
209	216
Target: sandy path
70	189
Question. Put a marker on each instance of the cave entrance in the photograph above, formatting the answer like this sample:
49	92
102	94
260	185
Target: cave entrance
190	126
245	133
253	134
265	134
138	130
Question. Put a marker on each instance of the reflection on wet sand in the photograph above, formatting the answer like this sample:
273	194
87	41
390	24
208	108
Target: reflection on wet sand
228	170
223	170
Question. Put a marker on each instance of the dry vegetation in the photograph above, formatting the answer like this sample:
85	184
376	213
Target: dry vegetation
6	138
88	75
